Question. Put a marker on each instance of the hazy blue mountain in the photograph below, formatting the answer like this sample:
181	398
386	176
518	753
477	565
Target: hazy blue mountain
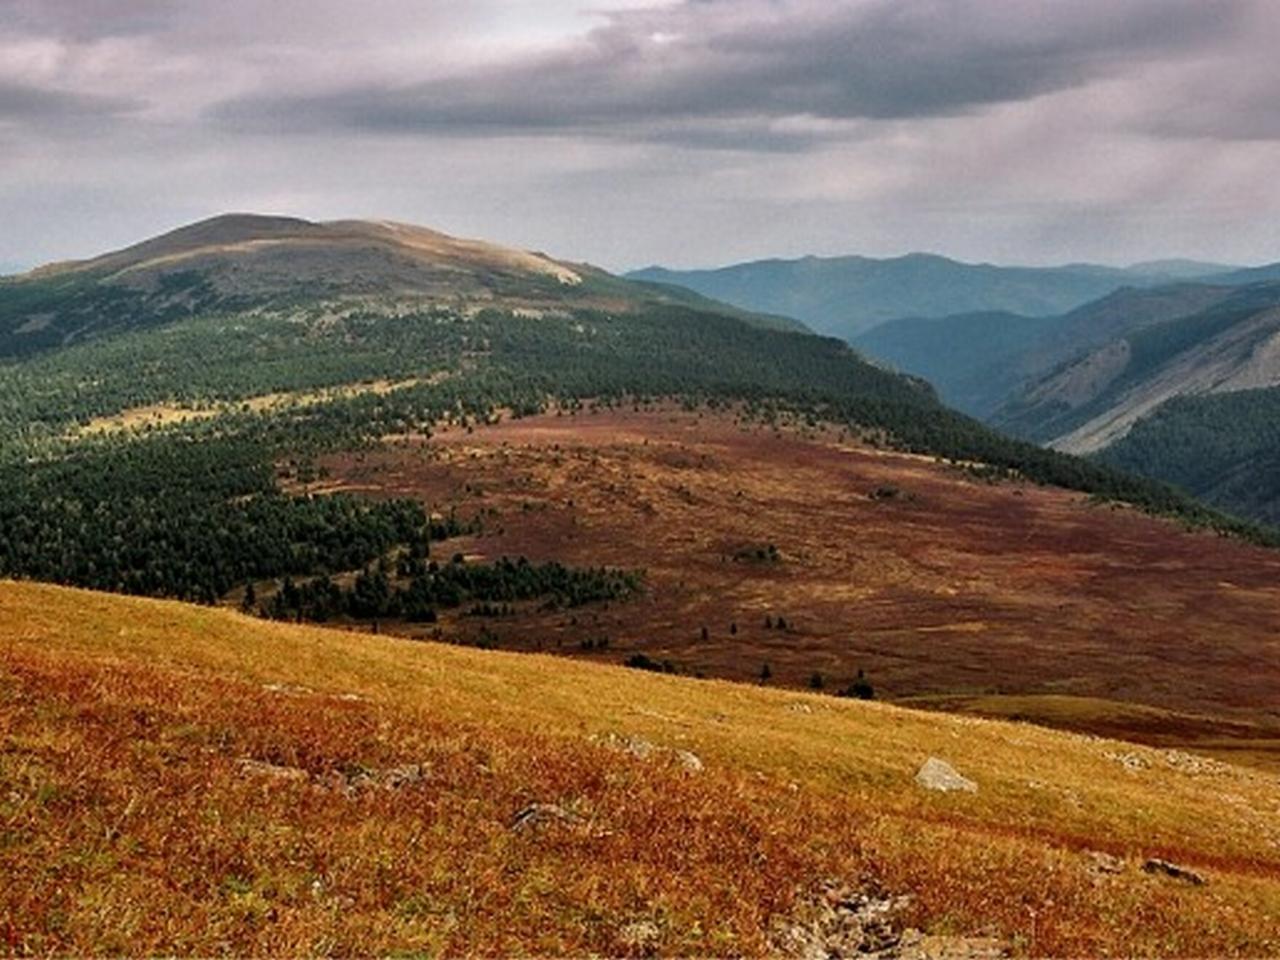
1230	343
979	361
973	360
845	296
1263	274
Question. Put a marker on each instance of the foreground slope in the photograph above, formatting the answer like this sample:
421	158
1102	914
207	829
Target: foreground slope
185	780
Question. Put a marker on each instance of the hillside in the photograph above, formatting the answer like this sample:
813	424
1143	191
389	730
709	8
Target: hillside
1222	447
1093	400
239	262
846	296
980	363
184	429
188	781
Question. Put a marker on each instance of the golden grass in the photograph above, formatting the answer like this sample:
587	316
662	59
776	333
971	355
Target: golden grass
168	414
130	825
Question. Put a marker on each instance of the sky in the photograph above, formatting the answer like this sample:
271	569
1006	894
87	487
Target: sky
631	132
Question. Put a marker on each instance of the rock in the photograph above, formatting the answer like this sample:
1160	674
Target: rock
843	922
642	934
1130	761
939	775
537	815
1164	867
690	761
1105	862
637	747
1190	763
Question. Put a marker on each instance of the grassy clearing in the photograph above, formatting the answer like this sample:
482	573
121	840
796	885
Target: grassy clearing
131	822
157	415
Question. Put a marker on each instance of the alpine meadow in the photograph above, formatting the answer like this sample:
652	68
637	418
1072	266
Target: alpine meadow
769	478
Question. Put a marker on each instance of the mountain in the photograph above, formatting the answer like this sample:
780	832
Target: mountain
1222	447
1090	401
191	781
241	261
845	296
1178	269
978	362
610	472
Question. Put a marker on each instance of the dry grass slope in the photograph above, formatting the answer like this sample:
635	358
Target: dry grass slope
187	780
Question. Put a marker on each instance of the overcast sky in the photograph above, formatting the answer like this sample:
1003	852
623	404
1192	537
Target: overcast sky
628	132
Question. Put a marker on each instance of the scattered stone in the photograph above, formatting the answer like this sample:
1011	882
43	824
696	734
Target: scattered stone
259	768
637	747
349	781
537	815
1190	763
939	775
1130	761
1156	865
843	922
797	707
642	749
690	761
1105	862
642	935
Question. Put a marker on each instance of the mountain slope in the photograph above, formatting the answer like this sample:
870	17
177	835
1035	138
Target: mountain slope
239	262
981	362
1090	402
186	781
1224	448
845	296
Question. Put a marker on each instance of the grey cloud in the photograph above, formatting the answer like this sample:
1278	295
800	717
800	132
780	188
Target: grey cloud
34	104
742	65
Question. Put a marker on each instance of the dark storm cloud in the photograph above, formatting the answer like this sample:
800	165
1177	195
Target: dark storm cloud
700	71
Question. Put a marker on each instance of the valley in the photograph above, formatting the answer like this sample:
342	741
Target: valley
928	578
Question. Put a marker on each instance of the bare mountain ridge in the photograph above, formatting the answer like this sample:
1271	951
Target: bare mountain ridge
239	261
241	244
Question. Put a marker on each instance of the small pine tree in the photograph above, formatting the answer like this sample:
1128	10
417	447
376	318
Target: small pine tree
250	597
705	633
815	681
733	629
765	673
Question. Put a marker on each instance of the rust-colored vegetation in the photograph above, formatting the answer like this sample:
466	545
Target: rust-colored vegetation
177	779
1002	598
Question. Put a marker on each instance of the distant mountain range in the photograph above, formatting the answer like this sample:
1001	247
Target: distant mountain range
1102	380
1169	368
846	296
